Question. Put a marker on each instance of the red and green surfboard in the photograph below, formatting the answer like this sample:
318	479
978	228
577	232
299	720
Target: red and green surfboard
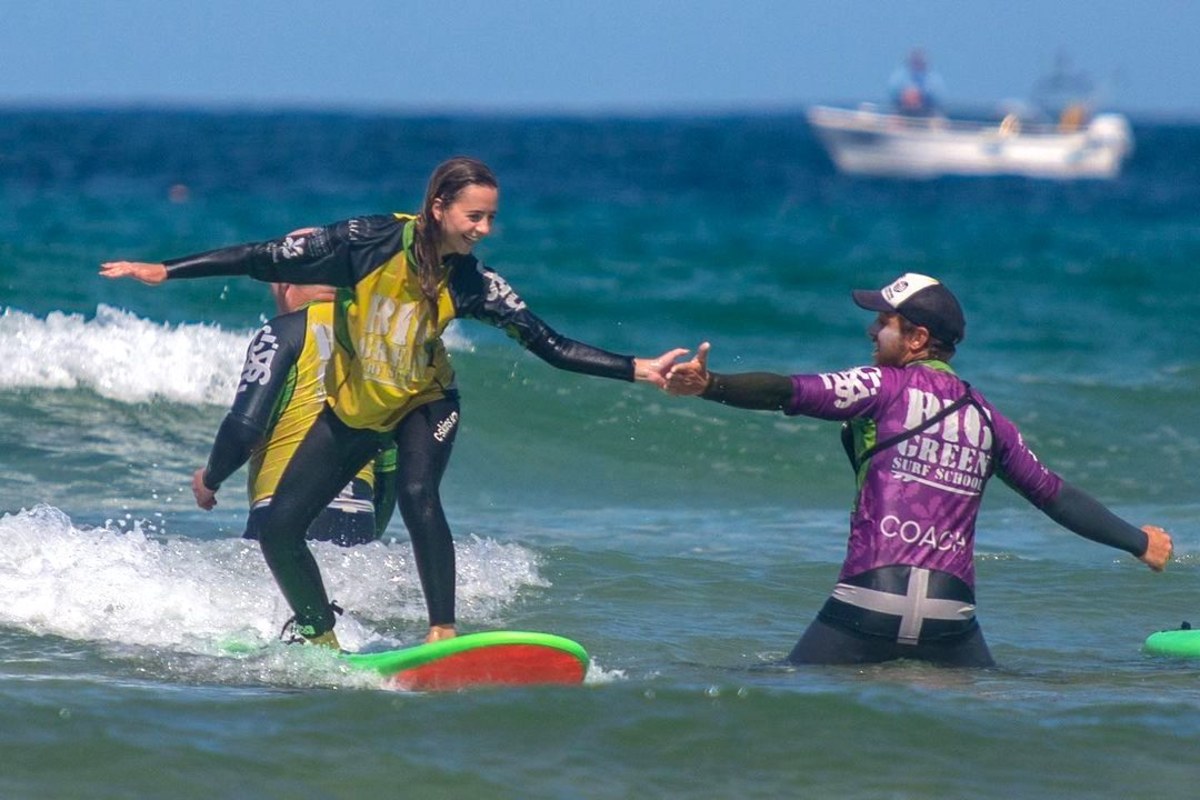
490	658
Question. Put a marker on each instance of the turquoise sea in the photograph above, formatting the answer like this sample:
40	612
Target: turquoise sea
684	544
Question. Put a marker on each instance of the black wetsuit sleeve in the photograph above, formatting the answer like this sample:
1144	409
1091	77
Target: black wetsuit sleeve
266	376
339	254
762	391
1082	514
480	293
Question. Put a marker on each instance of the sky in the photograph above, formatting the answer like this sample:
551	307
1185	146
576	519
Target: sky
576	56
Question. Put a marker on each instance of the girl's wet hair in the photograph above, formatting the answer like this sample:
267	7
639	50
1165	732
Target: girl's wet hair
446	184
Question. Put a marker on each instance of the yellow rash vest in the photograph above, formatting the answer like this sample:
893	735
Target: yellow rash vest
281	392
388	354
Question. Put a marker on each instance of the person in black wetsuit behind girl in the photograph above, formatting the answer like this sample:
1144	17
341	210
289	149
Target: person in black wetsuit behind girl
402	279
281	392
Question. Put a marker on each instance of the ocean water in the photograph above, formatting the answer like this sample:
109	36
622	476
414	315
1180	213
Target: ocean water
684	544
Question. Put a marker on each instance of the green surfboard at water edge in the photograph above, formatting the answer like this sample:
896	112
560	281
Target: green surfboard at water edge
1180	643
490	658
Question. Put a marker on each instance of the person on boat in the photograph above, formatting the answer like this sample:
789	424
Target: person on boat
923	444
1073	118
914	89
402	279
281	392
1066	95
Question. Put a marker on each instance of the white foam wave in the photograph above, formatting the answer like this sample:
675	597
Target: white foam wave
125	358
120	356
124	584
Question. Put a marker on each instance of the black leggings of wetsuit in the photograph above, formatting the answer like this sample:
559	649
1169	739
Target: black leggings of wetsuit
330	455
823	643
345	528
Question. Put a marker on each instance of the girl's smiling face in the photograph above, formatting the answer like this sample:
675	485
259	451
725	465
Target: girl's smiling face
466	219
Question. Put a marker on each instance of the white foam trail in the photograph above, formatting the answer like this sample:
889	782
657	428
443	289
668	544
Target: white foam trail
119	585
125	358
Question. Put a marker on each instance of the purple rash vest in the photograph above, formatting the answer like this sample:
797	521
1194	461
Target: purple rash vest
918	499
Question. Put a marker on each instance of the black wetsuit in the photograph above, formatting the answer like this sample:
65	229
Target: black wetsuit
280	392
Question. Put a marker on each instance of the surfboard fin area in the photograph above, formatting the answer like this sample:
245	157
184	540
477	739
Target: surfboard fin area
489	658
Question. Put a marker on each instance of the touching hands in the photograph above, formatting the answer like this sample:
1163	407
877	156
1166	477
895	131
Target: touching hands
1158	548
654	370
145	272
690	377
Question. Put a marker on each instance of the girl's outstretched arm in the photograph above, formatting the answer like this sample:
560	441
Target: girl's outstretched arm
146	272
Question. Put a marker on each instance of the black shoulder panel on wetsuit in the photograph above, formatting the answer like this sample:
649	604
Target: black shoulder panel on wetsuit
480	293
339	254
269	367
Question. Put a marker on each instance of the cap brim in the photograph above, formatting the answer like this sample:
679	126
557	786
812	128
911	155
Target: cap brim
871	300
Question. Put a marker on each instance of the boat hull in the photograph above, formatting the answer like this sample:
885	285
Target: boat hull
864	142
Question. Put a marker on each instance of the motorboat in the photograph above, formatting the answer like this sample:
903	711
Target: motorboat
866	141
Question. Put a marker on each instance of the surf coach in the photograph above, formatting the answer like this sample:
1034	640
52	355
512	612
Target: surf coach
923	444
